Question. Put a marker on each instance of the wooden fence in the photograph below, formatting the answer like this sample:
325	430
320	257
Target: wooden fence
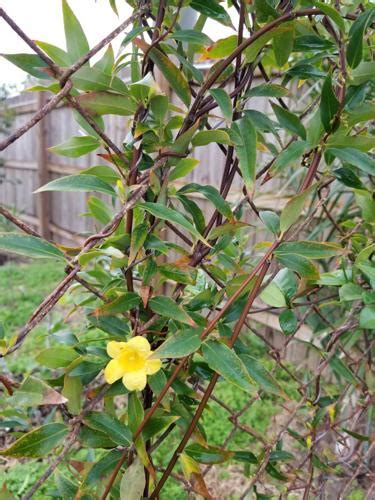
27	164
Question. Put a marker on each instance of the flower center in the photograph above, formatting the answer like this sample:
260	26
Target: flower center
131	360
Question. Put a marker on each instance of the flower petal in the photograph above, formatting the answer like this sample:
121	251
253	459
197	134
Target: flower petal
152	366
140	344
135	381
114	348
113	371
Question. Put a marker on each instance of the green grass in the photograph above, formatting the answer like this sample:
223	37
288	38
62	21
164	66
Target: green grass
23	286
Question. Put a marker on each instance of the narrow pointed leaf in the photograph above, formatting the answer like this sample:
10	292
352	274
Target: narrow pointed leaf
80	182
30	246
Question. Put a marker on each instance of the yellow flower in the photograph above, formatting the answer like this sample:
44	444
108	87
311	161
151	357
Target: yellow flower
131	361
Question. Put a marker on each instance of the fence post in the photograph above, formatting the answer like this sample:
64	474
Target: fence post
43	199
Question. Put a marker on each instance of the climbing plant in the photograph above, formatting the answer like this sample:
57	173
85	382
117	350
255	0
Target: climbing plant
273	299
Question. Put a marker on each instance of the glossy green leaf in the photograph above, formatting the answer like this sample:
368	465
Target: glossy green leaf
158	424
76	183
310	249
172	74
289	156
76	146
329	105
283	44
135	411
162	212
179	344
356	158
57	357
212	194
125	302
225	104
245	140
273	296
288	322
107	103
226	363
183	168
293	209
58	55
354	51
270	220
35	392
332	13
211	8
191	36
138	237
342	370
76	41
30	246
208	455
29	63
106	174
72	390
260	375
116	430
103	467
205	137
167	307
95	80
300	265
37	443
267	90
289	121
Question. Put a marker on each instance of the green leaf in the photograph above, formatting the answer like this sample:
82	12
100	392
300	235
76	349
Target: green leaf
293	209
364	72
165	306
157	424
288	322
191	36
245	146
289	121
211	8
103	467
254	48
267	90
283	44
35	392
30	246
94	79
300	265
226	363
72	390
58	55
116	430
133	481
356	158
162	212
225	104
270	220
350	292
222	47
135	411
57	357
172	74
329	104
260	375
288	156
273	296
37	443
340	368
107	103
332	13
354	51
99	210
205	137
107	61
179	345
183	167
138	237
310	249
212	194
105	173
76	146
209	454
76	41
31	63
367	317
80	182
245	456
125	302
